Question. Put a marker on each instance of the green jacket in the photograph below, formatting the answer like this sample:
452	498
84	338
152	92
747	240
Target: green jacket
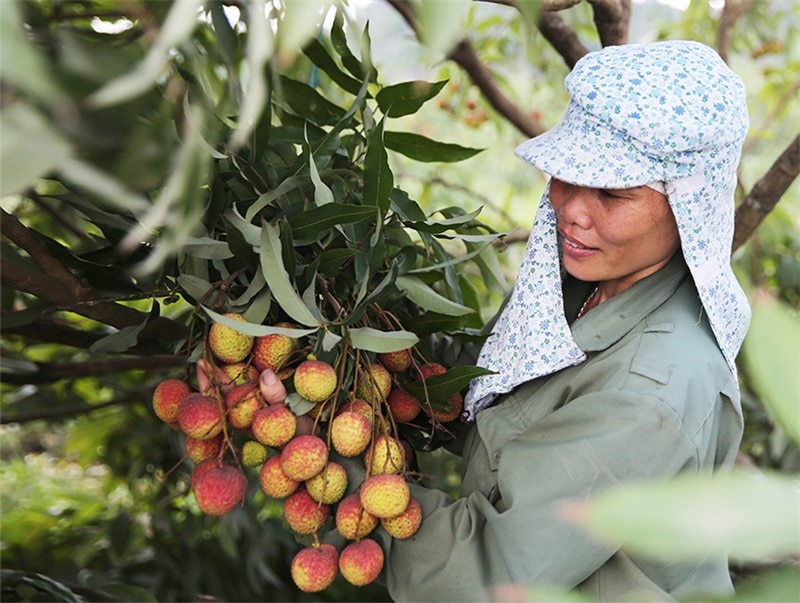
654	397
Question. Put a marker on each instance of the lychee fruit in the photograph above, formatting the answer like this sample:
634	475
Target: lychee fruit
407	523
200	417
274	482
350	433
243	402
219	489
428	370
167	398
352	521
385	495
200	450
361	562
329	485
304	514
228	344
303	457
201	468
358	405
272	351
444	416
315	380
254	454
274	425
374	383
396	362
314	568
384	455
240	372
403	406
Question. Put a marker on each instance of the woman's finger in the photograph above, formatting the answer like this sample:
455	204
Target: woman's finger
271	387
209	377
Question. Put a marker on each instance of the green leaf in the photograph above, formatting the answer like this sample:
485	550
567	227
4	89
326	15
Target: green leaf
278	279
407	97
322	194
301	20
771	357
255	330
195	287
378	178
29	148
439	388
747	515
207	248
315	51
373	340
425	297
306	102
421	148
311	224
284	188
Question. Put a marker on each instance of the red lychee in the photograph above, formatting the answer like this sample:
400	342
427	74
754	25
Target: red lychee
314	568
361	562
219	489
403	406
407	523
304	456
274	482
243	402
304	514
228	344
272	351
352	520
167	398
430	369
444	416
274	425
200	450
385	495
315	380
396	362
350	433
360	406
328	486
200	417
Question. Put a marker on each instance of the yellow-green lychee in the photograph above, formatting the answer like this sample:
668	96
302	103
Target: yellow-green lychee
385	495
329	485
352	521
240	372
254	454
374	383
315	380
384	455
406	524
304	456
200	450
314	568
274	425
243	402
167	398
272	351
350	433
361	562
228	344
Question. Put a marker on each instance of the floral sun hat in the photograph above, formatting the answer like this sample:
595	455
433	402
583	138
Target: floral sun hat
664	112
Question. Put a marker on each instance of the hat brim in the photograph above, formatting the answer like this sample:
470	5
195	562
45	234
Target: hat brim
586	152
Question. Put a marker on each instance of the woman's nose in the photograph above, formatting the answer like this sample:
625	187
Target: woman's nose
573	206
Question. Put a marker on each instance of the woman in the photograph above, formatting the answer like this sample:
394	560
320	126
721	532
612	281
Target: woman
614	354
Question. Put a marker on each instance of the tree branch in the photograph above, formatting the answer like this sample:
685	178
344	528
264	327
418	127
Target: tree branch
130	397
612	18
49	372
561	37
766	193
731	11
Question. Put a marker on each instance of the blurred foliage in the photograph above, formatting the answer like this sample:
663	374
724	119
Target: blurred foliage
131	130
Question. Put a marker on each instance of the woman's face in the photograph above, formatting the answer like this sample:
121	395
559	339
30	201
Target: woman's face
613	236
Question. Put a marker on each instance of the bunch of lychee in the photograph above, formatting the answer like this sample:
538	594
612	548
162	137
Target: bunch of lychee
229	427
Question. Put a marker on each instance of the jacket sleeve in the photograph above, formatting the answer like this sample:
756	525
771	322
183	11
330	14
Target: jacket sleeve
517	532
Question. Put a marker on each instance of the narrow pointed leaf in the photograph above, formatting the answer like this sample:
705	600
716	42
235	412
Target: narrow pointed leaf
421	148
255	330
373	340
378	178
407	97
310	224
425	297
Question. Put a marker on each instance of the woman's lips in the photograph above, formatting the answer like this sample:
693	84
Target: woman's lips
576	249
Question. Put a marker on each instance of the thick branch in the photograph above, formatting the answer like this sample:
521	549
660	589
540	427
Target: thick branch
131	397
561	37
51	332
48	372
731	12
465	56
767	192
612	18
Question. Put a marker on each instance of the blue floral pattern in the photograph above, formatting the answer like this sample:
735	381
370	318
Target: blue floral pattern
669	112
